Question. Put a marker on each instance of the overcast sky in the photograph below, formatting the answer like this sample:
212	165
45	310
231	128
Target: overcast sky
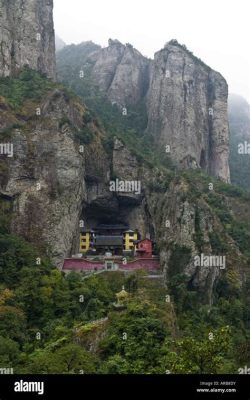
217	31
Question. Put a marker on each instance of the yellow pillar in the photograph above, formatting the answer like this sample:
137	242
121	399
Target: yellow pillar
129	240
84	242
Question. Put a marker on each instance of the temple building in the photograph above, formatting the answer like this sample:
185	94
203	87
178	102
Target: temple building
144	248
112	248
129	238
116	239
86	240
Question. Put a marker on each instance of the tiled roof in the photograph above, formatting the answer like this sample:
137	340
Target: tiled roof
114	226
109	240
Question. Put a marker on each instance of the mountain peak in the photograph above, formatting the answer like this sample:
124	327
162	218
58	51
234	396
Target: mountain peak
172	42
115	42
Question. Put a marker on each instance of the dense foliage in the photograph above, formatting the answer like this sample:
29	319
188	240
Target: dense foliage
28	85
52	323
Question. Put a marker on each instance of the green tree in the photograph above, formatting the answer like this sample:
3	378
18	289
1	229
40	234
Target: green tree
9	352
131	334
74	359
200	357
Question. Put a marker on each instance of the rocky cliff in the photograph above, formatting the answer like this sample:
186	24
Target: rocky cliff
186	101
60	174
187	110
121	72
27	36
64	157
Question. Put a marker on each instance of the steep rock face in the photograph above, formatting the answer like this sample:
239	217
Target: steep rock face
121	72
27	36
46	177
105	206
53	186
186	100
54	181
134	205
187	110
183	230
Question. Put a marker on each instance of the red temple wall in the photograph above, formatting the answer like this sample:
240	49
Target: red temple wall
80	264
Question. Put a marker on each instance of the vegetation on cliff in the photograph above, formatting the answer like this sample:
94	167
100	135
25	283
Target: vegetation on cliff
51	323
56	323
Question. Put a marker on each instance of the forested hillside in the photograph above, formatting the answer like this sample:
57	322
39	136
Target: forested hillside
56	323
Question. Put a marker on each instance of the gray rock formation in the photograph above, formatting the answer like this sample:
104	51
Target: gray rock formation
186	100
54	183
46	178
121	72
27	36
53	186
187	110
177	240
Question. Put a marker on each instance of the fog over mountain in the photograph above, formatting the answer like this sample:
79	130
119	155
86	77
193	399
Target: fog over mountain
239	124
239	114
60	44
206	29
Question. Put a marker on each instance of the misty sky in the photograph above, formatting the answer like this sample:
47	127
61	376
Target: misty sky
217	31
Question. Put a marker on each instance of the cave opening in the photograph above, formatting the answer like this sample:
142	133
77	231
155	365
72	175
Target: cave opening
112	228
